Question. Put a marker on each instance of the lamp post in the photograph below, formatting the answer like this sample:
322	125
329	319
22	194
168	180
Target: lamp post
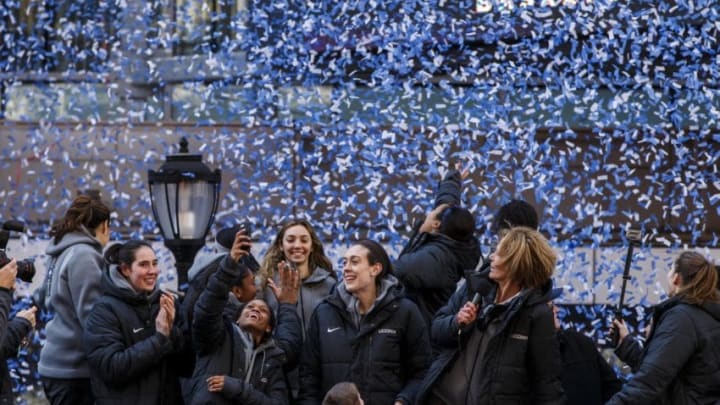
184	197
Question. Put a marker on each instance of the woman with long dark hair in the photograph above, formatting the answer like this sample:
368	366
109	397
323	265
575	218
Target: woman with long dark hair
132	333
366	332
74	272
680	363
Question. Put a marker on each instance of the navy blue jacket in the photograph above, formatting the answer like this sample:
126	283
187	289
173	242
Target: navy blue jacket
386	356
221	351
520	366
130	362
681	360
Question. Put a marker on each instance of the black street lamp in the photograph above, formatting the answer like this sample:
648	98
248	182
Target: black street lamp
184	197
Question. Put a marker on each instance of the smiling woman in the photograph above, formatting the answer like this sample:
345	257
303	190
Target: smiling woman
368	313
128	353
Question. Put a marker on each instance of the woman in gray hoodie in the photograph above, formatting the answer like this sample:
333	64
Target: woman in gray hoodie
72	285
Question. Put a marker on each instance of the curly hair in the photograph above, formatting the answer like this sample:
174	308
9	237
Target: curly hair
275	253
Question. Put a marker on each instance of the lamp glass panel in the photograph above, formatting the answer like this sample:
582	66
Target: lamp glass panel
195	204
163	196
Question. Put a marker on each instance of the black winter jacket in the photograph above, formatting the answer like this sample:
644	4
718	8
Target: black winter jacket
221	351
431	268
288	334
681	360
430	265
130	362
15	330
386	357
522	360
586	377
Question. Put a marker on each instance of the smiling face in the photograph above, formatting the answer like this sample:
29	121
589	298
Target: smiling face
297	245
143	272
358	274
255	318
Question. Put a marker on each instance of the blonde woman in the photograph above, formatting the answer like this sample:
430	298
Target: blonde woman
497	332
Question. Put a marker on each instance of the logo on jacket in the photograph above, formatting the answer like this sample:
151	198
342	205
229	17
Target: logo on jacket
387	332
331	330
136	330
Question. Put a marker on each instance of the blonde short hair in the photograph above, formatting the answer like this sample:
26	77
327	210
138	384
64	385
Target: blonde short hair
528	257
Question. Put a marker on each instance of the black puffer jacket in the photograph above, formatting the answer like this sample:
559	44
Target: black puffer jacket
430	264
223	351
431	268
130	362
386	355
14	332
586	377
522	361
681	360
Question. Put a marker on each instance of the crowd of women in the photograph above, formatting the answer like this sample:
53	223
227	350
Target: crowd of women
117	338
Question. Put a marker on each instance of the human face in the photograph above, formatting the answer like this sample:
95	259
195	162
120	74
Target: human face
102	233
498	268
359	275
297	245
255	317
143	272
673	279
247	288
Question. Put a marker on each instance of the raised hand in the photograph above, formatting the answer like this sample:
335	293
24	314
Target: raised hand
241	245
288	290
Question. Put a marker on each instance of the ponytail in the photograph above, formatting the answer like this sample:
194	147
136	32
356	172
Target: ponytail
85	211
699	278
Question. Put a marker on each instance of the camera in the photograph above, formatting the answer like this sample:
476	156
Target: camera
25	268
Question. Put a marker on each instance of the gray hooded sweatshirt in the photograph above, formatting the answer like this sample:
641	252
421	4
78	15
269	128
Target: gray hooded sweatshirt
76	264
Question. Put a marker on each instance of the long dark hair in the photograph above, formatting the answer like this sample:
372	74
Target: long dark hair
85	211
124	253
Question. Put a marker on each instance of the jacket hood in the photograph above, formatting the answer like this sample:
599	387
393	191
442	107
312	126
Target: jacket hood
390	290
466	252
712	308
83	236
317	276
202	262
116	285
481	282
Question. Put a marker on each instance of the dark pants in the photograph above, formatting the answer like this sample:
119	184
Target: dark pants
75	391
